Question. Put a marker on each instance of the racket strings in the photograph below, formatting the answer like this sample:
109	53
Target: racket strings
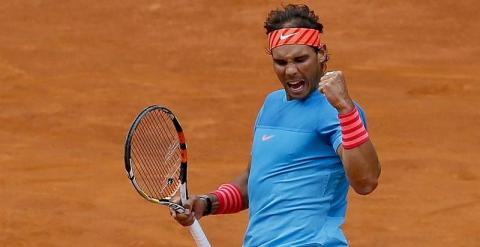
147	164
173	155
168	143
144	172
157	162
156	155
154	176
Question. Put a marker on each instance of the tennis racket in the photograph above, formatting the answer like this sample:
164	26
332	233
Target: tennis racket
156	161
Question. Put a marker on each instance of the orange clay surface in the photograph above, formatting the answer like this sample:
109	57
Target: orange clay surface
73	75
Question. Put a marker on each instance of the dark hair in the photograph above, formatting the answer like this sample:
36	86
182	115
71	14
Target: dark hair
292	15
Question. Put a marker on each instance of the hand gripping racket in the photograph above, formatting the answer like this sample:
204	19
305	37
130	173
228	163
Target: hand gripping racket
156	161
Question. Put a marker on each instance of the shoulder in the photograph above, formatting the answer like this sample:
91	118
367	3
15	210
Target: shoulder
278	95
274	99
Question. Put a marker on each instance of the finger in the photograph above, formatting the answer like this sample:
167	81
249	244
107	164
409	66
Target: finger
188	204
185	219
321	89
197	216
323	85
325	80
329	74
176	200
182	217
191	219
199	207
173	213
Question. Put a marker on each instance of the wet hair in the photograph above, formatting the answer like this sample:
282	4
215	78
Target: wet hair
292	15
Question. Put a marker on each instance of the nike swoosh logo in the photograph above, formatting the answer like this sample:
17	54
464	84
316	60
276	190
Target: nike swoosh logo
267	137
283	37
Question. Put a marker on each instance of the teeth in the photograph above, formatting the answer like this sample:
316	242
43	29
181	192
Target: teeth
294	83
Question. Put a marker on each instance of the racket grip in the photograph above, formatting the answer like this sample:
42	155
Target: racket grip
198	235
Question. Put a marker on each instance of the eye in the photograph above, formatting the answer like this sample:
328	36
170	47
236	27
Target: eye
280	62
301	59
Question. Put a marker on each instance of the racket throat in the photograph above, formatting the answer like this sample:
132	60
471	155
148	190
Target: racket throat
183	183
183	193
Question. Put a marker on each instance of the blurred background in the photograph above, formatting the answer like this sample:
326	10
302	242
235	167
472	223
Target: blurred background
74	74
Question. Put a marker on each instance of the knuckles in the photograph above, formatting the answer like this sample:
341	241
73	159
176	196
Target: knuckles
184	219
187	218
328	80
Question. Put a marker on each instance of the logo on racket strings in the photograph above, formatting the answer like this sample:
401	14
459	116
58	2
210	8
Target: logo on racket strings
171	150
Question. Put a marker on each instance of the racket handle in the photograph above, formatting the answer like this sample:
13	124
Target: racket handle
198	235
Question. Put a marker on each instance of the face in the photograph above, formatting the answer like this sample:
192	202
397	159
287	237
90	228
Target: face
299	69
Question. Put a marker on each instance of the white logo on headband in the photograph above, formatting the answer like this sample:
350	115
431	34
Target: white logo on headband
283	37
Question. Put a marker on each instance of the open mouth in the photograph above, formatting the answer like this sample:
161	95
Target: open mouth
296	86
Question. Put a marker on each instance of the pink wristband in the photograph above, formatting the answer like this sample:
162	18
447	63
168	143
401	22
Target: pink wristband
229	199
354	133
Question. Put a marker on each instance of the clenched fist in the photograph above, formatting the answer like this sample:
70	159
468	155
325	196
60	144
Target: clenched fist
333	86
194	207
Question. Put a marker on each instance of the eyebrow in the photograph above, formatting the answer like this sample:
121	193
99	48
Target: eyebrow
295	57
301	56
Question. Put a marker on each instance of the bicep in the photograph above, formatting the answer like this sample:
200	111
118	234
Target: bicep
340	151
241	182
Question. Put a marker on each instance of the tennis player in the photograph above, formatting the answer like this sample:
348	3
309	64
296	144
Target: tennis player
310	145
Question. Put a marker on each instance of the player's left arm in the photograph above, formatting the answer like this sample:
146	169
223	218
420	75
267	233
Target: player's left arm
362	167
360	161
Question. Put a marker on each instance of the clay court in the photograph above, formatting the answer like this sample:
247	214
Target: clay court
74	74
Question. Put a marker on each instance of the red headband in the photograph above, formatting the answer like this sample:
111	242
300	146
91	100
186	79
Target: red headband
293	36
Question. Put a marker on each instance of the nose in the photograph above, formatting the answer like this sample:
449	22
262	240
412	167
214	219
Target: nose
291	70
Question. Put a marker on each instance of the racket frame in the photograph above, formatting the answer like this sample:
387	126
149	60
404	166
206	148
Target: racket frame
183	153
195	229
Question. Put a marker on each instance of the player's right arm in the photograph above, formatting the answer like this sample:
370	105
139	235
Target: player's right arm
197	206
